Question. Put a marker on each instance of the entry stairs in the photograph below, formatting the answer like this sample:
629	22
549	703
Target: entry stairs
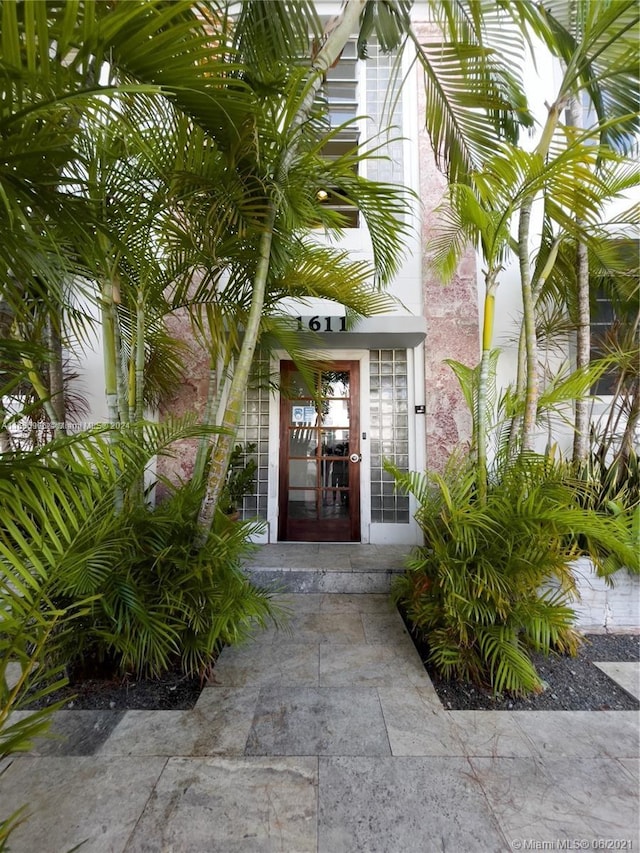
300	567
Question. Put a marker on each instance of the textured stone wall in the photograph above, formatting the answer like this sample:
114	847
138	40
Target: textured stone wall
451	312
191	396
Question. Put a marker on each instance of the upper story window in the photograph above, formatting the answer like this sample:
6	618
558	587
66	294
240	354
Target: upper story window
341	92
602	321
615	321
341	88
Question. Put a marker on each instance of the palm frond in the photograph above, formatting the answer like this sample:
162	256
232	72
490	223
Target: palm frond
598	45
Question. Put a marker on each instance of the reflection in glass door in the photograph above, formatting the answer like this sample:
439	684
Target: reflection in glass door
320	454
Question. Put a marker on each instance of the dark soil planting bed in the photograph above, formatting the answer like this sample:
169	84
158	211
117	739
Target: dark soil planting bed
171	692
571	683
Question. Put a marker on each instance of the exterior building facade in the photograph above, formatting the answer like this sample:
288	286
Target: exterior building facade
385	392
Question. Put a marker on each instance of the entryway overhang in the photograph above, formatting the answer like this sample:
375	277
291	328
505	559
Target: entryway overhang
383	332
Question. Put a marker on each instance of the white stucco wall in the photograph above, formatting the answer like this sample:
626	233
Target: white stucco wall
540	87
604	607
541	84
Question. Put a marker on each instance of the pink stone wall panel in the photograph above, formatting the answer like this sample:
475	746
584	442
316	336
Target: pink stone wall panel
451	312
191	396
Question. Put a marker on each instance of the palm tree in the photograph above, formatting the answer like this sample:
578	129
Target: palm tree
223	74
285	28
484	213
597	43
576	176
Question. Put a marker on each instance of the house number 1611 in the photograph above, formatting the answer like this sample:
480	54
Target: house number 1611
322	324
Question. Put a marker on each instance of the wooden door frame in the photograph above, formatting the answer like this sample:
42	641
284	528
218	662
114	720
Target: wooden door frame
354	523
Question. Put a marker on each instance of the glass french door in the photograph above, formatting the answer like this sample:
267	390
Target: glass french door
320	454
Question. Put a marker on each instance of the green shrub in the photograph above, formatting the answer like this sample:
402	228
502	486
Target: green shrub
156	600
32	626
611	487
494	579
161	602
89	572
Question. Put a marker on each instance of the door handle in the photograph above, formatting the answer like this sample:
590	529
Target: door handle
355	457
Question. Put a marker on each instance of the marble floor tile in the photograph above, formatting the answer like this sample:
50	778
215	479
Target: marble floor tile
382	628
565	799
318	721
581	734
491	734
353	582
283	555
299	604
320	628
624	673
218	725
378	665
77	732
631	766
416	726
74	800
358	603
225	805
257	664
403	805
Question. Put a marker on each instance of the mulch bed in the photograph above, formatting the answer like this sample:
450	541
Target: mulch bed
570	683
172	691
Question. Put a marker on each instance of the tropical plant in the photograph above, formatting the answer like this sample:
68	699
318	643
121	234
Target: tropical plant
28	621
197	163
494	582
154	599
575	171
231	140
501	193
611	466
596	44
241	478
33	626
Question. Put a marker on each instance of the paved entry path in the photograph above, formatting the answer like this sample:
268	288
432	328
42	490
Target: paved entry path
329	737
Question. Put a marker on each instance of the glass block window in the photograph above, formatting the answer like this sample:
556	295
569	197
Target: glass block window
389	397
384	111
254	429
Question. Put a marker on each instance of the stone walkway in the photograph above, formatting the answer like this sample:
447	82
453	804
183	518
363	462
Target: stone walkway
328	737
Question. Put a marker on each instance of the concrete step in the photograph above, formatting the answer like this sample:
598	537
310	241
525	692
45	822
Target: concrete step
327	567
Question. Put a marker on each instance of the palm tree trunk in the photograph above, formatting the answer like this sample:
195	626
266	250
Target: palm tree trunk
487	339
338	32
233	410
528	298
214	390
139	357
109	353
40	388
56	376
515	428
121	379
583	330
583	355
530	340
